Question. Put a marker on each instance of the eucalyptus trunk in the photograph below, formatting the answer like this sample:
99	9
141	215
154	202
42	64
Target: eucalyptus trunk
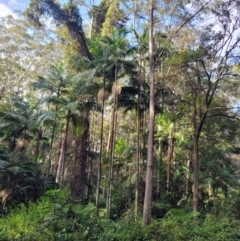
196	134
147	208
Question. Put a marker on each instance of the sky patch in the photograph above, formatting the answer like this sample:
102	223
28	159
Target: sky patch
5	10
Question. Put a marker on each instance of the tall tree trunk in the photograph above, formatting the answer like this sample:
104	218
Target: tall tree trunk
147	208
137	154
169	160
115	91
112	147
101	151
38	139
198	121
196	175
196	134
109	134
52	137
79	177
62	156
160	164
89	170
188	176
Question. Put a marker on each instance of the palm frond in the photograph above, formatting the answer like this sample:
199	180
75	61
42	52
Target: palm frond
47	116
4	164
15	170
84	77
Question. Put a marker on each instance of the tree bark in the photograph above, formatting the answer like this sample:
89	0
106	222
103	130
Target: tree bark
79	177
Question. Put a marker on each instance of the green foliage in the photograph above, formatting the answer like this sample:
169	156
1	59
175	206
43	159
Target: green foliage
57	217
54	217
179	225
189	79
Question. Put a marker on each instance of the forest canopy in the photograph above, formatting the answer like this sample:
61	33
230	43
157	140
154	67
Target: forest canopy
119	115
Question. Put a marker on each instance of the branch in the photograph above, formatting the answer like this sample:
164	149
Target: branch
223	115
181	26
69	17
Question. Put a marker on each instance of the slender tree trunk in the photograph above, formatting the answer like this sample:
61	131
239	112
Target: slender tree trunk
188	176
112	147
115	92
160	164
196	175
195	157
63	149
169	160
52	137
39	138
147	208
79	177
198	121
137	154
110	133
89	176
101	153
51	147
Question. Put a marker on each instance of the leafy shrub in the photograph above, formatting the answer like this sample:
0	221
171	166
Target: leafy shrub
57	217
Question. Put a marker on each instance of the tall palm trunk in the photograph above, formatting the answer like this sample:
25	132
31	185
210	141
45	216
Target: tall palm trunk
137	154
112	147
101	151
109	133
169	160
160	164
116	93
62	156
38	138
147	208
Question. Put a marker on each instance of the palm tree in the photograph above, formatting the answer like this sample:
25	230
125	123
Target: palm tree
109	64
118	49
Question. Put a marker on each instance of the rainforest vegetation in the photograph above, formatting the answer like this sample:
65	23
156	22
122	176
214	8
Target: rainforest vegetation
120	121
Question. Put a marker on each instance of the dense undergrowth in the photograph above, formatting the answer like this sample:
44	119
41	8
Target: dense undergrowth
57	217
